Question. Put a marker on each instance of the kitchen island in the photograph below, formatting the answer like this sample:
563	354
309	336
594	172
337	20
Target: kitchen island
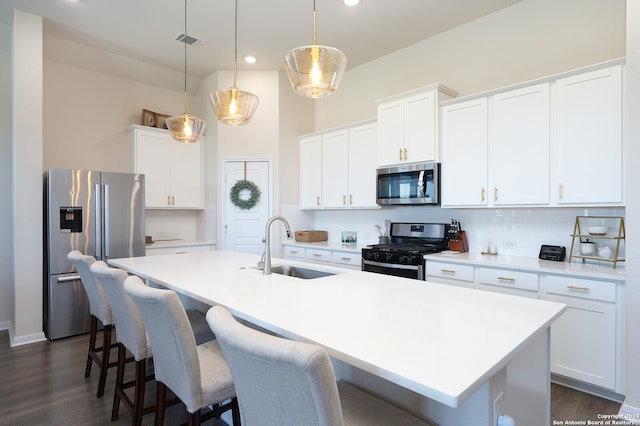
443	353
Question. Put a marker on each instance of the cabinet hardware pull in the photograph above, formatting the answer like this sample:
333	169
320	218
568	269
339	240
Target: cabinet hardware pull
293	251
495	193
507	279
345	258
482	194
400	154
169	199
573	287
448	271
173	200
344	200
180	252
350	199
317	254
561	191
318	200
405	154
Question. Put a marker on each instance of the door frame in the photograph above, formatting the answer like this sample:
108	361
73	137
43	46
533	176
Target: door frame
223	200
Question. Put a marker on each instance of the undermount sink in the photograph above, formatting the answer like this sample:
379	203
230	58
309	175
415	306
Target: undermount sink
298	272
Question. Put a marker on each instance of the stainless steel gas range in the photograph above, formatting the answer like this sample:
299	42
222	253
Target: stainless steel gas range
402	255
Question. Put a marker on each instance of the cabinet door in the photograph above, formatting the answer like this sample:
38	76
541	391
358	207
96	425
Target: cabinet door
589	138
390	133
464	154
520	146
420	127
187	183
362	166
335	169
152	151
310	172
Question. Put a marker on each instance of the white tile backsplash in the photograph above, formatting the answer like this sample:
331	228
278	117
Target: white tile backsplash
516	232
171	224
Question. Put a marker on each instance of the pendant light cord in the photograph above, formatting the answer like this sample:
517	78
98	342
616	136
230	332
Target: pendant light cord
185	57
314	22
235	49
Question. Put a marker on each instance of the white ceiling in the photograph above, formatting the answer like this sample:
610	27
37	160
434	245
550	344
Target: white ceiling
145	30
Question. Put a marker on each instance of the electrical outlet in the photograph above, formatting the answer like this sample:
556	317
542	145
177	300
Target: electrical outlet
497	408
509	244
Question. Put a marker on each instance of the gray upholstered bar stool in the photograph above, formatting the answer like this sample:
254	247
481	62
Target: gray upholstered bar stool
100	311
283	382
197	374
133	338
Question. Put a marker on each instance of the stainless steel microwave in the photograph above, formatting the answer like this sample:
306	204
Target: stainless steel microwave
407	184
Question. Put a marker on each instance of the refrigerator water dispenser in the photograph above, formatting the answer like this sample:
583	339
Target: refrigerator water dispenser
70	219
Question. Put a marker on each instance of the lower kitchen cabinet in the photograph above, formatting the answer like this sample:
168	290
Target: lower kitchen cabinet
178	249
583	339
328	256
586	341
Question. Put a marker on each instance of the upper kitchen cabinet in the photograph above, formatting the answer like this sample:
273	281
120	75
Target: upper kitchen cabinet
465	154
337	168
311	172
408	126
589	138
519	146
174	171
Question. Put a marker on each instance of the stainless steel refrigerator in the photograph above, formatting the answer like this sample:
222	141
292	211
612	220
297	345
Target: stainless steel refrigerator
98	213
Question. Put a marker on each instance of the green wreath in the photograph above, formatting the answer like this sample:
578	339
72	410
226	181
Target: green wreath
250	202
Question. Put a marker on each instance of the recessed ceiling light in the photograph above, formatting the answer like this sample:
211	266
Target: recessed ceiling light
351	2
250	59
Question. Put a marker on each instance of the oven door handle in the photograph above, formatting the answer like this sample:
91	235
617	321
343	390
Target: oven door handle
421	185
391	265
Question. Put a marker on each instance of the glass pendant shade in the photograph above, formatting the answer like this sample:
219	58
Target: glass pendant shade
315	71
233	106
186	128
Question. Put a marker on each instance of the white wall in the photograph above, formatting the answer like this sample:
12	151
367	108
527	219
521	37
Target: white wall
6	283
531	39
632	153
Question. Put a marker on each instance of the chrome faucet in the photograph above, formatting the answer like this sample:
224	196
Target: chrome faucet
265	262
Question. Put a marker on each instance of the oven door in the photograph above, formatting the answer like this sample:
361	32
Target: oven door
415	272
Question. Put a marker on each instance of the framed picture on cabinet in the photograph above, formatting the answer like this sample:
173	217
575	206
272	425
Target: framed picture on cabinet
148	118
160	120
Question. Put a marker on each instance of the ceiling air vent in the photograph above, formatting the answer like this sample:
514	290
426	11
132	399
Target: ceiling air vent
191	41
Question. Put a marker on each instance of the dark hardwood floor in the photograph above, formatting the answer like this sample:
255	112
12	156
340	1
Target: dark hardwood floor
43	384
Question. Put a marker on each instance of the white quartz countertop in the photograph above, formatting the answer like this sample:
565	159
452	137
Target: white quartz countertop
577	269
440	341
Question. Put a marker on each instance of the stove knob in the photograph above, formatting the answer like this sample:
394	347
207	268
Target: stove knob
388	257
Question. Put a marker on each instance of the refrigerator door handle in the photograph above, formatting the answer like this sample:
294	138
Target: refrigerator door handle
98	222
68	278
106	221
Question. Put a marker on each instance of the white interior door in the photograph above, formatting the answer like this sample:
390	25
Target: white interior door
244	228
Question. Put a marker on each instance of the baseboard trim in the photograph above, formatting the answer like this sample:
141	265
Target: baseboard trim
21	340
587	388
629	414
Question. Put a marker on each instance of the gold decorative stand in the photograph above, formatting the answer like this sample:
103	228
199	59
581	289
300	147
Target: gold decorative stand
580	232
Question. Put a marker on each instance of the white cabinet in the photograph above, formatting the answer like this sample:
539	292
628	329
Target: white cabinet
508	281
351	259
310	172
159	249
174	172
519	146
589	138
335	169
362	166
338	168
449	273
583	339
464	153
496	149
408	126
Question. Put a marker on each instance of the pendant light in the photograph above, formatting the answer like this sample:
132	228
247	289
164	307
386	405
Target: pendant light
233	106
315	71
186	128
